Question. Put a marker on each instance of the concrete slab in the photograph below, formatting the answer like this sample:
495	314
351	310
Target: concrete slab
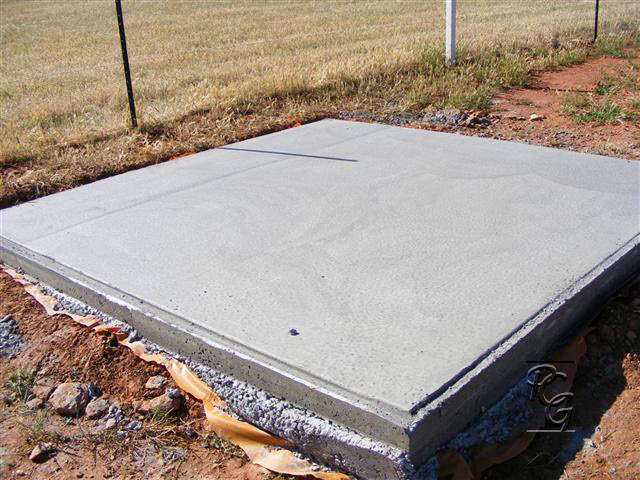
420	269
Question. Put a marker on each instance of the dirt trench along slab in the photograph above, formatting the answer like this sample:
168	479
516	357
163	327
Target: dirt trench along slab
393	280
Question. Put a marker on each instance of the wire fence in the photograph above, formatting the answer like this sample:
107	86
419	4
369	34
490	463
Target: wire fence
62	64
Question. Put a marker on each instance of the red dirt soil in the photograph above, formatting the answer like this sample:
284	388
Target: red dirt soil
513	109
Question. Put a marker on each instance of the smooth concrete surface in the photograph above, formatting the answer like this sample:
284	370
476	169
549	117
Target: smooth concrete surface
403	258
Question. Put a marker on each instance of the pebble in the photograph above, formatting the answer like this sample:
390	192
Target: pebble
134	426
10	342
163	403
293	332
94	391
190	432
536	118
35	403
116	413
41	452
173	393
96	408
110	423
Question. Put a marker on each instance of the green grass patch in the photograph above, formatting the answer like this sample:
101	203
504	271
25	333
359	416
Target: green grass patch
20	384
574	103
607	112
159	416
606	86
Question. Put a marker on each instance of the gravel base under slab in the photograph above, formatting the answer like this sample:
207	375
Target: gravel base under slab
322	439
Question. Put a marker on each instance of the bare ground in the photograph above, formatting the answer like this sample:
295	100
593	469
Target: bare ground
59	350
552	91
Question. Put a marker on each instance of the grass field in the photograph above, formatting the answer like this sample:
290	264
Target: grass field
206	73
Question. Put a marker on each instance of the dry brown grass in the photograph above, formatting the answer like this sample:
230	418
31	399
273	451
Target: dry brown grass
207	73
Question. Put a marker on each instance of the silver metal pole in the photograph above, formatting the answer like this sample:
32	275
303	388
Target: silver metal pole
450	42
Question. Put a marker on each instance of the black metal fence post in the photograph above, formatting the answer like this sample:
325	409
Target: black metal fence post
595	27
125	62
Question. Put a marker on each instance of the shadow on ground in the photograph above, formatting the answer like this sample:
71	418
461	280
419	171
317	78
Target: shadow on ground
606	414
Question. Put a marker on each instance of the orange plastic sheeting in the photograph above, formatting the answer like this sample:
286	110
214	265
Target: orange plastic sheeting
261	447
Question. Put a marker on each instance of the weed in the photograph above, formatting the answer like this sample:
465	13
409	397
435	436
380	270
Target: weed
573	103
607	112
635	103
159	416
612	149
609	85
20	384
37	432
605	86
211	440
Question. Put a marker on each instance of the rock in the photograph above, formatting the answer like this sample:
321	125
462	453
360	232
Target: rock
157	381
453	115
96	408
115	412
41	452
35	403
536	118
471	119
43	392
162	403
110	423
134	426
94	391
190	432
69	398
10	342
173	393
